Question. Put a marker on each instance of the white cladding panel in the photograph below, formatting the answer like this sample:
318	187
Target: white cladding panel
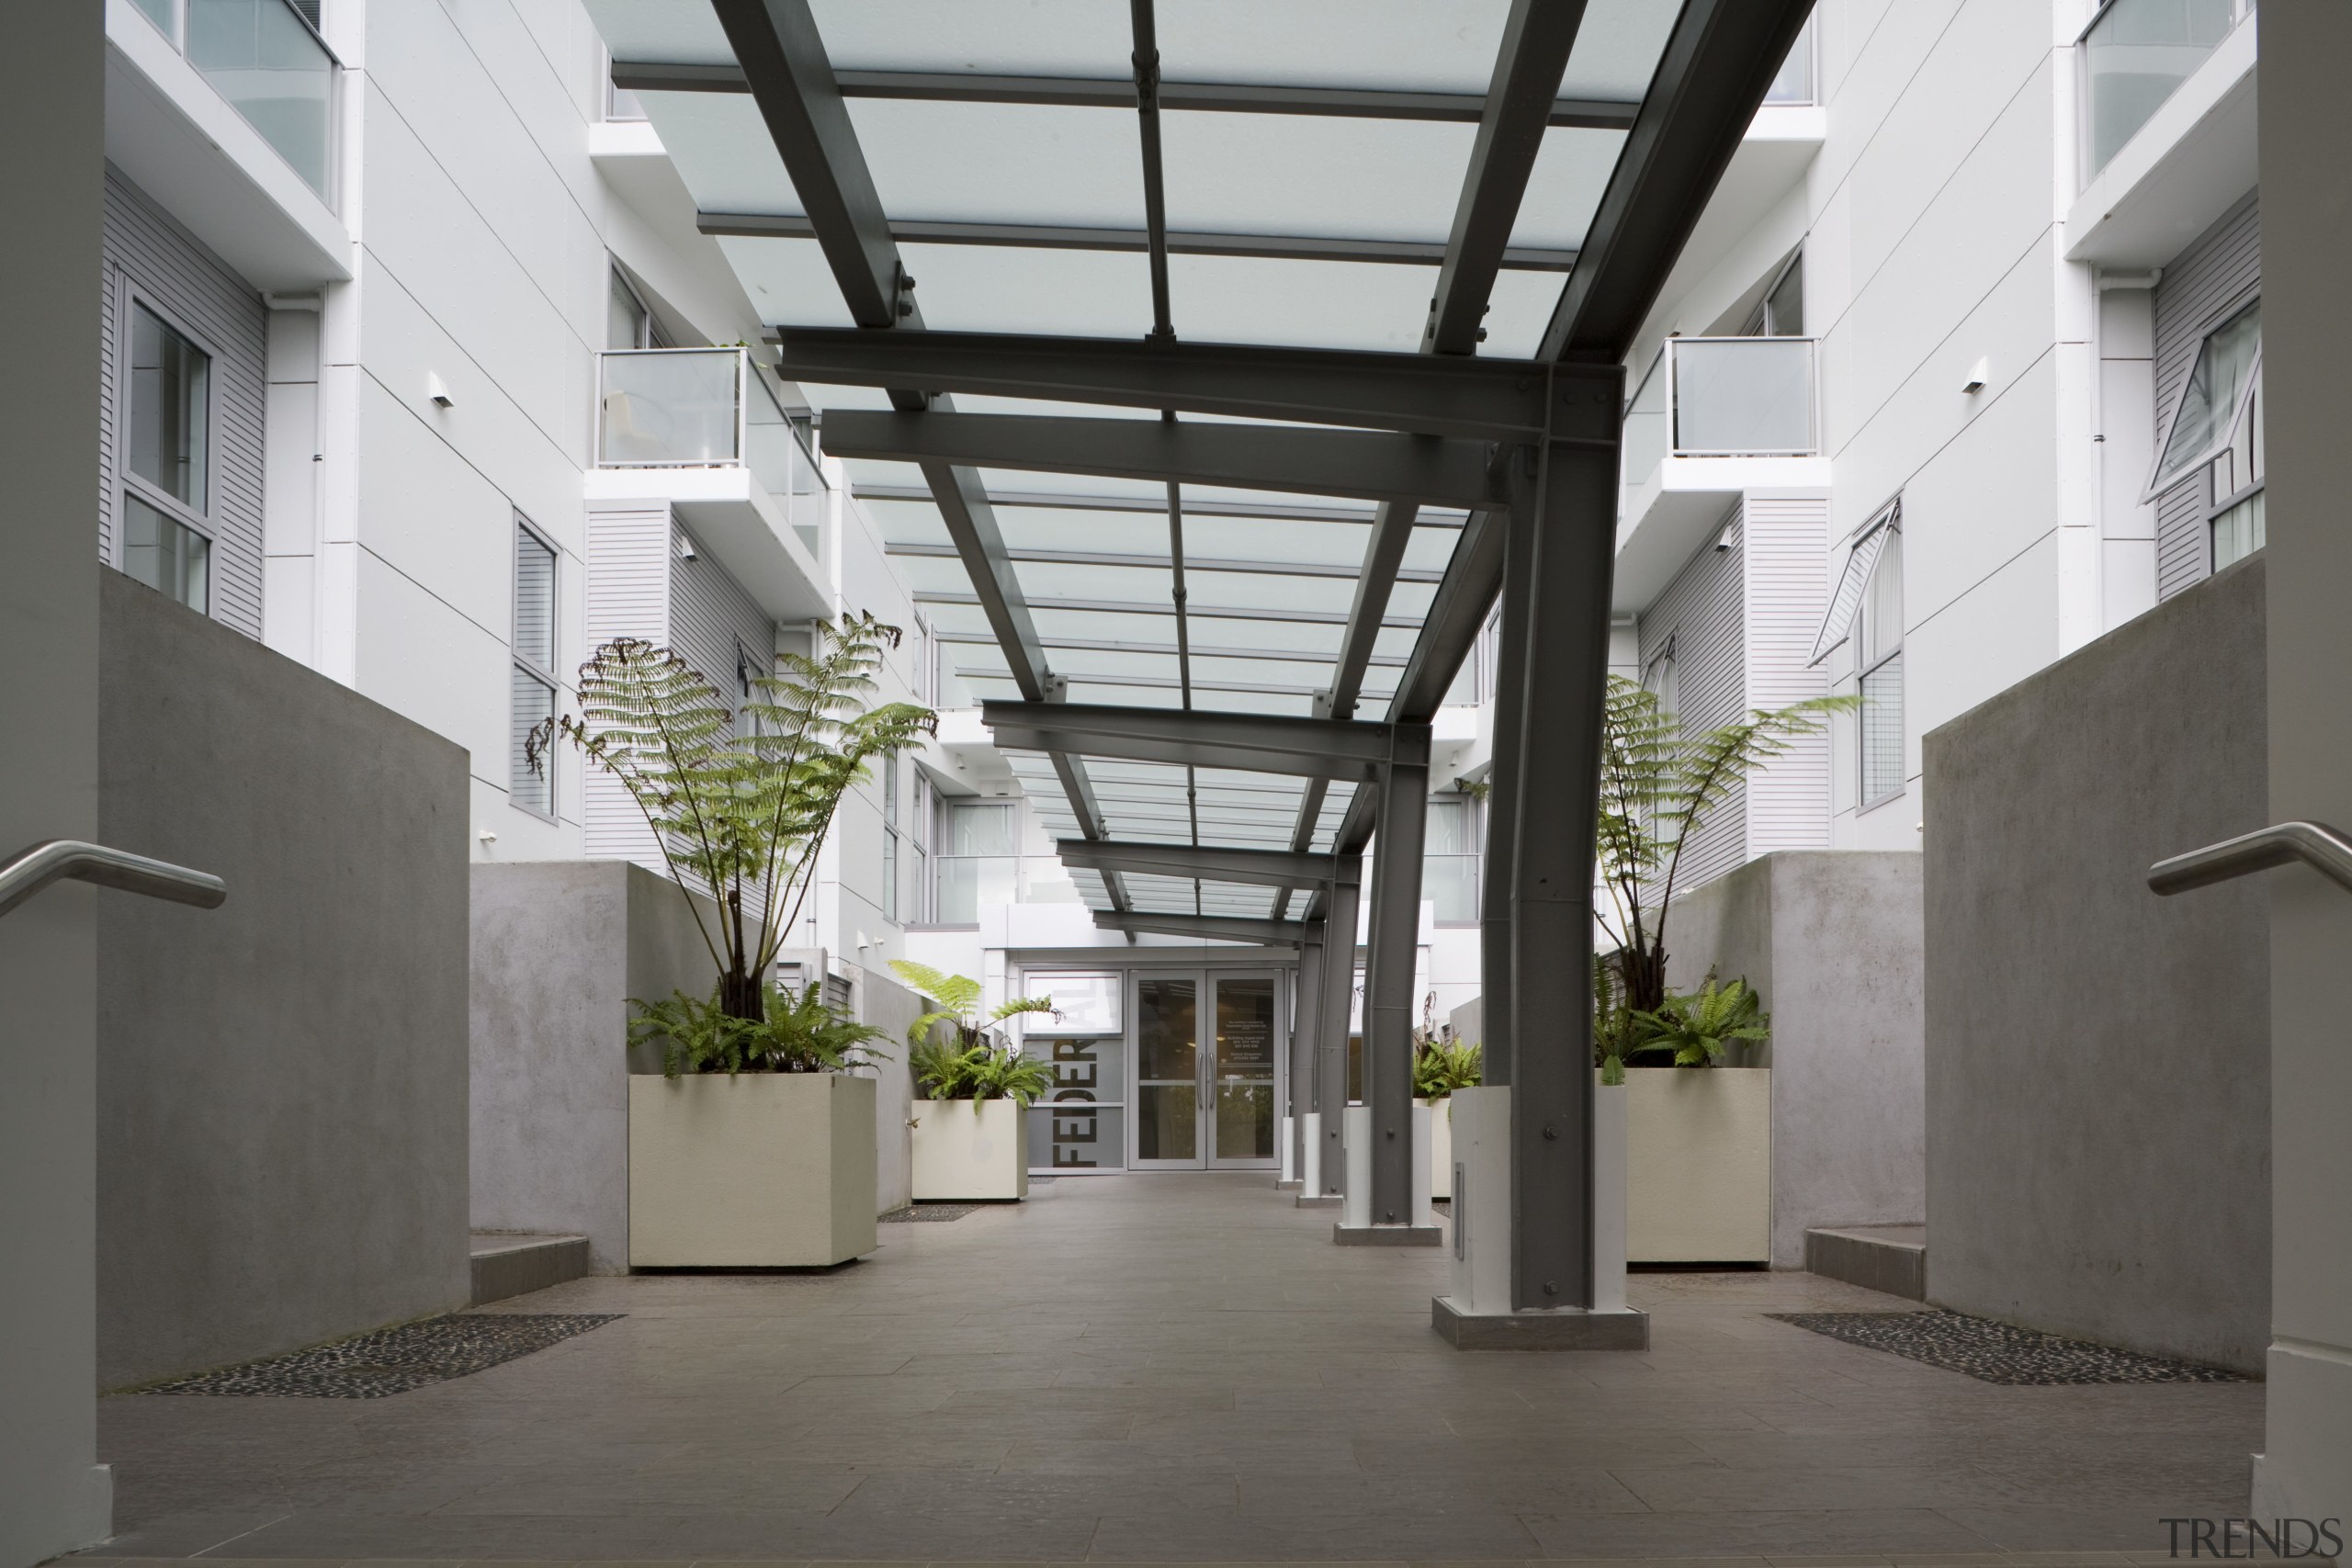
1702	615
2201	285
1781	539
629	552
148	255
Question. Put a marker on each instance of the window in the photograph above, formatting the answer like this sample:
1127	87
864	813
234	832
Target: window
921	838
1450	859
891	838
628	321
1661	677
1878	645
974	861
1781	313
531	779
749	668
2214	436
164	529
1794	83
2215	401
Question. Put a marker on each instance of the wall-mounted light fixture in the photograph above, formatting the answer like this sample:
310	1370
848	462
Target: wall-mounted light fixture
1978	373
438	391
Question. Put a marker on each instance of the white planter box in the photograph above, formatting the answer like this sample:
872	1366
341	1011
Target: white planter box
969	1149
1699	1164
1441	1146
760	1170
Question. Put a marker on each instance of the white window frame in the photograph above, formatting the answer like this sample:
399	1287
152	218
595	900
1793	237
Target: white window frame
2158	484
520	662
134	295
892	860
1864	801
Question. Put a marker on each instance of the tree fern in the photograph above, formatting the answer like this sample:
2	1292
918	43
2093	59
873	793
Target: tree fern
739	817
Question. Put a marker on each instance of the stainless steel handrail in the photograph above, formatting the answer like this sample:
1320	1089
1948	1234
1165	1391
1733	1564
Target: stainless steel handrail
2317	845
31	869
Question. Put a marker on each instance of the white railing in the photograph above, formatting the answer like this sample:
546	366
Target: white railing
707	407
267	59
1722	397
2133	56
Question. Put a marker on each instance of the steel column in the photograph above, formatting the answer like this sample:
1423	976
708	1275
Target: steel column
1388	986
1340	924
1557	781
1497	1018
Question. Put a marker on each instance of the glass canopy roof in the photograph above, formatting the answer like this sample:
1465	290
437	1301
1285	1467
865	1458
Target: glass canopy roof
1269	580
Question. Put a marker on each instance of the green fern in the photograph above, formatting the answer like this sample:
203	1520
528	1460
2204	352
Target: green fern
1700	1030
739	817
794	1035
1656	787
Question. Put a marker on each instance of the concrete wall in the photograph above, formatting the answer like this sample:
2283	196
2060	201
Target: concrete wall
558	949
2098	1058
282	1081
1831	940
54	1496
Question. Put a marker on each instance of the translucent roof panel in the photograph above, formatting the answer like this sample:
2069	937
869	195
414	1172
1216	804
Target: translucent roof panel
1268	594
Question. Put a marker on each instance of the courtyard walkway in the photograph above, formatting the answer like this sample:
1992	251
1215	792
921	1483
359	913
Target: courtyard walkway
1174	1367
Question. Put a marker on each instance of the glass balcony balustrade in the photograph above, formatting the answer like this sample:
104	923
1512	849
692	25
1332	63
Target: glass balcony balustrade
271	67
1722	397
2134	55
707	407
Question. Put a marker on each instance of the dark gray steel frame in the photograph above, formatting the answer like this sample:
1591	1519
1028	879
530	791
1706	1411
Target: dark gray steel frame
781	61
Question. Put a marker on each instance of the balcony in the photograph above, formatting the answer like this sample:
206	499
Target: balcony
701	430
2167	140
1714	419
225	111
264	57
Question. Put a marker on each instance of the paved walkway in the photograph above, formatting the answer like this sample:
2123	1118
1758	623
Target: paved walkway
1174	1367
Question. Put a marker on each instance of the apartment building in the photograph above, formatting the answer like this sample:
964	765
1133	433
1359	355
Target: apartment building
419	372
1977	383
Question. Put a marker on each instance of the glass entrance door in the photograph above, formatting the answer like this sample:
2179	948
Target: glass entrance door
1208	1065
1246	1056
1168	1073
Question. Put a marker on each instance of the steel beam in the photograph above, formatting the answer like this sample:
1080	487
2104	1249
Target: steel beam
1513	529
1275	511
1263	743
1125	608
1221	928
1374	465
1200	649
1119	93
1179	242
1422	394
1718	62
1162	563
1205	863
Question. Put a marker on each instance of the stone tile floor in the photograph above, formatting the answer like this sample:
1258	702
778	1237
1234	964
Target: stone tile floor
1175	1369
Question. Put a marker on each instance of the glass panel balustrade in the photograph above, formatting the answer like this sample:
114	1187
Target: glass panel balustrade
1742	397
1794	86
2135	55
671	408
272	68
1645	440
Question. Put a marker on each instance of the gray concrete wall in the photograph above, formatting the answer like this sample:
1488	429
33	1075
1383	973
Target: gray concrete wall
558	949
1831	939
282	1081
54	1496
2098	1058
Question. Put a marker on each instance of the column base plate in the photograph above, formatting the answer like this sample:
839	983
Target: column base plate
1318	1200
1566	1329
